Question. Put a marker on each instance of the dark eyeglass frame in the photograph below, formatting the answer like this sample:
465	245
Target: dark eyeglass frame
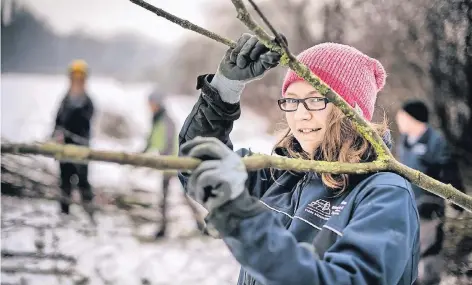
281	101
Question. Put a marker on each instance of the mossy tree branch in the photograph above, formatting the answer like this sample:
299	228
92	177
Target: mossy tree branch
384	156
304	72
79	154
384	162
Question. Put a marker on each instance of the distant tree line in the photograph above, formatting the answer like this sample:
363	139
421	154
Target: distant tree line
29	45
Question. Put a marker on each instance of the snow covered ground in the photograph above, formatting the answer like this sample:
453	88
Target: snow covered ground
112	255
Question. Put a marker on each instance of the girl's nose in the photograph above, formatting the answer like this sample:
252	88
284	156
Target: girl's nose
302	114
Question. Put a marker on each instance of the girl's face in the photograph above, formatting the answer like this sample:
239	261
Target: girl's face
307	126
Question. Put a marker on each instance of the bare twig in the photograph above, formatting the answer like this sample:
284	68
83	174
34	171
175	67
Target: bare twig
184	23
119	200
277	35
86	228
53	271
246	18
123	203
36	255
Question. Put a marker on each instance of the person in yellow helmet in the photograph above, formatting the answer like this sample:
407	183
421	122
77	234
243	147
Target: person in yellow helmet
72	126
79	67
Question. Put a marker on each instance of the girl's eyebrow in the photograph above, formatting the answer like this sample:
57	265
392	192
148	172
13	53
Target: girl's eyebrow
314	92
291	94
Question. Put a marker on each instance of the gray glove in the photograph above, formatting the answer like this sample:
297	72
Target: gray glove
220	178
246	62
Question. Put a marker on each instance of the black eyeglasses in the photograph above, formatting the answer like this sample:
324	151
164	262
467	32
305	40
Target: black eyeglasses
310	103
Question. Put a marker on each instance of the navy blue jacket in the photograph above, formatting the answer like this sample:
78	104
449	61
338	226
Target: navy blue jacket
306	234
431	155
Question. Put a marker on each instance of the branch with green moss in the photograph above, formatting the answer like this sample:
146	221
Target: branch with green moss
362	126
385	160
384	155
80	154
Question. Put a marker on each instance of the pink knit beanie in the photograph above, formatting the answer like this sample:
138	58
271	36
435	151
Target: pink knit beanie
353	75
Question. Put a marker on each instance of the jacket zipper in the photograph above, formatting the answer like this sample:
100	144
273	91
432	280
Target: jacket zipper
300	186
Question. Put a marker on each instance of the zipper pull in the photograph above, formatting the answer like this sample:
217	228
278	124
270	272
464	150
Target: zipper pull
305	179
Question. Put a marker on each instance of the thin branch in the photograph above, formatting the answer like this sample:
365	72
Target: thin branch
183	23
123	203
277	35
53	271
36	255
8	224
119	200
246	18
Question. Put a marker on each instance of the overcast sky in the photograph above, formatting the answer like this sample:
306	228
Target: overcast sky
108	17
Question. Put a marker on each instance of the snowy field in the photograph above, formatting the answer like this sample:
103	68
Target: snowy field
111	253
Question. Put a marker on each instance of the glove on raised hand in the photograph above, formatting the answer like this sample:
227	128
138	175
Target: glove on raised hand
248	61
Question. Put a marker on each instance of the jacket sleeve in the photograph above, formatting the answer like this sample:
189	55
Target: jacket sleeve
88	111
374	248
86	114
212	117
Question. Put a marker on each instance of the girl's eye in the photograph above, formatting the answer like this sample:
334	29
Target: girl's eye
314	100
291	101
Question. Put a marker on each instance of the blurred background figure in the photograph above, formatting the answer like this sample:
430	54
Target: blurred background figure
163	140
423	148
73	127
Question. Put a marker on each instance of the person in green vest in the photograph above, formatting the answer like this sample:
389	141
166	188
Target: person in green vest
163	139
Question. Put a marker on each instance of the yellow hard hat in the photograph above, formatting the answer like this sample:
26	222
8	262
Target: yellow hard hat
78	65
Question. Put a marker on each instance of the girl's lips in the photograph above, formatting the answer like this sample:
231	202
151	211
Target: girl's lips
308	130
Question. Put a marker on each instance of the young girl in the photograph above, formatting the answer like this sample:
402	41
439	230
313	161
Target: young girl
307	228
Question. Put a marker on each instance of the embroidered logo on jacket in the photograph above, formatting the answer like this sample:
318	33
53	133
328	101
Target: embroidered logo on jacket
323	209
320	208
